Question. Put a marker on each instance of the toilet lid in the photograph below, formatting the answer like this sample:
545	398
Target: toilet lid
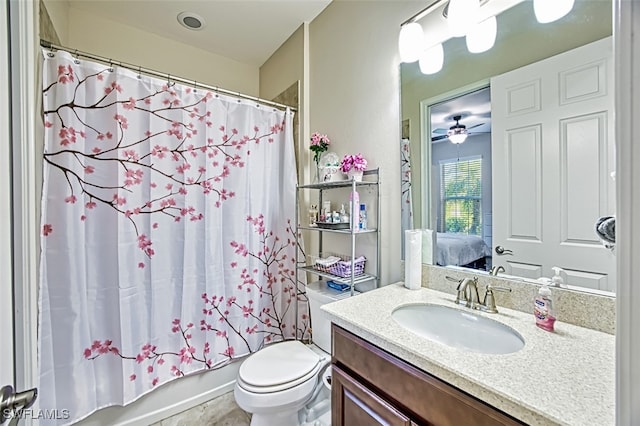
278	364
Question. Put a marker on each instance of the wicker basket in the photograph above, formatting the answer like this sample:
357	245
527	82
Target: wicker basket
341	267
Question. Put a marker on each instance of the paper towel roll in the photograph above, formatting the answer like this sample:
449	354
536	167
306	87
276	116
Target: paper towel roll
429	246
413	259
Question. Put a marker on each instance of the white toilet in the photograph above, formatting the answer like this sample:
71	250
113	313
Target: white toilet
288	383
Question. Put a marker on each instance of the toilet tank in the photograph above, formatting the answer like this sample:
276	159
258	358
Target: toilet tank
319	294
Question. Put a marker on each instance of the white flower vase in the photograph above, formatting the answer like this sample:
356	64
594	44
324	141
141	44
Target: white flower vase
354	174
330	167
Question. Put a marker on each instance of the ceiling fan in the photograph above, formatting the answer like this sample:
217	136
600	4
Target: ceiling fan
457	133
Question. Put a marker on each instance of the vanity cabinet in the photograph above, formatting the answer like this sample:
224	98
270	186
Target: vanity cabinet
371	387
371	183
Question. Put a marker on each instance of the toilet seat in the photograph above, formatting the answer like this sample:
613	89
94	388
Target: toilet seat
279	367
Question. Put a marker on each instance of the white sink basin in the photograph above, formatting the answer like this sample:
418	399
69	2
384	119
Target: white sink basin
459	329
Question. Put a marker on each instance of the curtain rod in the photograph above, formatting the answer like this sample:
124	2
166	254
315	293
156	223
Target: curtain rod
74	52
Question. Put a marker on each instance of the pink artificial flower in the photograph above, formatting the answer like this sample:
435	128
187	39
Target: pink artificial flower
356	162
319	144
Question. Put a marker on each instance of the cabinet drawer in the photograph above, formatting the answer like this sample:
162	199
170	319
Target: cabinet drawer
425	398
354	404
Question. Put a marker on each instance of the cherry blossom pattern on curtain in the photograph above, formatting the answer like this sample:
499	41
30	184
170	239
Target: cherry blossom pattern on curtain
167	238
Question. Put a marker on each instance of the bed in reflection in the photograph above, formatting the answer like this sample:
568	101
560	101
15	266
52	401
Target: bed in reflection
462	250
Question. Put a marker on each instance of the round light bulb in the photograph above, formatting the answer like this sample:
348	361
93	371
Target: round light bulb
482	36
458	138
551	10
432	60
410	42
461	16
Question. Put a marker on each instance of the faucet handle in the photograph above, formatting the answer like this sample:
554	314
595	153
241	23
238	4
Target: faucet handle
461	298
496	269
489	302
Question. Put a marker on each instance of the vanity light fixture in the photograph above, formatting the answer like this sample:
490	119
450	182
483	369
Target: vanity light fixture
461	19
551	10
461	15
482	36
432	59
411	42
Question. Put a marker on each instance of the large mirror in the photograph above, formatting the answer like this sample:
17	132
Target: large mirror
519	193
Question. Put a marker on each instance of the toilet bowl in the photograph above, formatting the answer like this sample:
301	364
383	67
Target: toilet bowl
288	383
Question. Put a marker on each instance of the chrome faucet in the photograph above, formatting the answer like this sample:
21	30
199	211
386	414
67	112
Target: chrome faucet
467	294
495	269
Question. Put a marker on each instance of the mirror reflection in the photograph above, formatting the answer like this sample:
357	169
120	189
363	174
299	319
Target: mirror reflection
508	154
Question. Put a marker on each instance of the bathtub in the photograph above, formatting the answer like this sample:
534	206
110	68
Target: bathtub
161	403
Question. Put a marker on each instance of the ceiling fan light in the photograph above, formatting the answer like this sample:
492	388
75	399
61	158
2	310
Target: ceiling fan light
551	10
482	36
462	15
432	60
458	138
410	42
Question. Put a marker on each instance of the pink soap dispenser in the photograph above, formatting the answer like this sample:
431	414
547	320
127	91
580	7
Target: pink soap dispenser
543	309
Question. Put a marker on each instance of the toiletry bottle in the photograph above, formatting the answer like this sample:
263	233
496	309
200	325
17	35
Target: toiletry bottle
335	217
313	215
543	309
344	217
354	202
326	209
363	217
557	280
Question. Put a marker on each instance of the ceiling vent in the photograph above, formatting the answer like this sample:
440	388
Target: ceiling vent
191	21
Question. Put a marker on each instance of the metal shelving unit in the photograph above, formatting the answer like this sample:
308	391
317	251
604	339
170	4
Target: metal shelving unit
370	179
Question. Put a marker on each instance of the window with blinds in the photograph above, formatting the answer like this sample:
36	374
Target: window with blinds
461	196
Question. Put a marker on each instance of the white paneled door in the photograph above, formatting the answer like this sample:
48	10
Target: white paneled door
552	152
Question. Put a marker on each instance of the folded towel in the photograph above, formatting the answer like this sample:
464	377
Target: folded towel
338	286
331	260
606	229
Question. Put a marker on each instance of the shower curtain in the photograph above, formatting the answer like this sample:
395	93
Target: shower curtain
406	205
168	242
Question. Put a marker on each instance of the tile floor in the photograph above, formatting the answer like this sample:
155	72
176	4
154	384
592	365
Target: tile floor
221	411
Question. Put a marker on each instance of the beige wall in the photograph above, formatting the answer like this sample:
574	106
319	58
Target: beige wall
513	49
284	67
58	11
354	99
109	39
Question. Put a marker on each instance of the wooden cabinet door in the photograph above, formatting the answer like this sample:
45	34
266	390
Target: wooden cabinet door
355	405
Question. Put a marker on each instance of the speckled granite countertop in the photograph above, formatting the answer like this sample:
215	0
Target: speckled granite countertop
566	377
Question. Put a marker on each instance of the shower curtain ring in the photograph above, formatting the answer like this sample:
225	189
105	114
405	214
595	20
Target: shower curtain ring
139	72
110	65
75	57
